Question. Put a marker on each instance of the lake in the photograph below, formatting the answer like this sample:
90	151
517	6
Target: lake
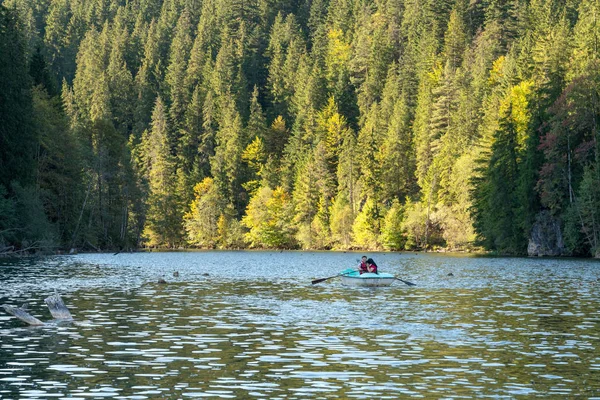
251	325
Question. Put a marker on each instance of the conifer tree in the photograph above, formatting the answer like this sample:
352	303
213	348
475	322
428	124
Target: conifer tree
348	174
586	38
179	94
190	169
397	156
202	221
455	39
306	200
392	236
120	84
226	164
341	219
147	81
269	219
163	221
18	138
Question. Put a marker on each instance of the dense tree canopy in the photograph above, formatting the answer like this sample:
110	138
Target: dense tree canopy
330	124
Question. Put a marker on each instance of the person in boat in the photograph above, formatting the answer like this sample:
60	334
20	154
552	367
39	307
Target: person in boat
371	266
362	267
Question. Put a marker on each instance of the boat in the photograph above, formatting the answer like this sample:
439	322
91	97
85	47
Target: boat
351	277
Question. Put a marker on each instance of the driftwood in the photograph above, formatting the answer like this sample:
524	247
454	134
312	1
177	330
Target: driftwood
22	314
57	307
55	304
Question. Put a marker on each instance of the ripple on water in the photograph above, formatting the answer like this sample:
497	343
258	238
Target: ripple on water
256	327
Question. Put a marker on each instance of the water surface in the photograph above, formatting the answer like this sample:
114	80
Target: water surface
251	325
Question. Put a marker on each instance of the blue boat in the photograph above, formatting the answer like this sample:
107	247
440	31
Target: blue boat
351	277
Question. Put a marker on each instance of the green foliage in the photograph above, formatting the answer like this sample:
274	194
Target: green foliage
59	164
366	226
8	219
205	223
18	137
496	191
34	229
388	124
587	205
163	223
416	224
342	218
269	219
392	236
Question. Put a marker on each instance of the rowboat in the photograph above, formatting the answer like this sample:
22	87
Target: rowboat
351	277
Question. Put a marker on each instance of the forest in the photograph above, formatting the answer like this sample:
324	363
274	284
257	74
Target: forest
299	124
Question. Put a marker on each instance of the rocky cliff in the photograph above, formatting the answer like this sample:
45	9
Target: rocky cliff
546	237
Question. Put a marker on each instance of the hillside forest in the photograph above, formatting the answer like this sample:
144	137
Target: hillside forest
299	124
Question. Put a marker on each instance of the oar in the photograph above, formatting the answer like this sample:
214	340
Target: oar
331	277
407	282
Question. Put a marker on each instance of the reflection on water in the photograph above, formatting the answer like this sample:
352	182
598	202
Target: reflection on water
255	327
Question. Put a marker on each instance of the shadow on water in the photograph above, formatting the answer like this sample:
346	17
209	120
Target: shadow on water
256	327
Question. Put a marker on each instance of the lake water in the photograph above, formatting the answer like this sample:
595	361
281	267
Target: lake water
255	327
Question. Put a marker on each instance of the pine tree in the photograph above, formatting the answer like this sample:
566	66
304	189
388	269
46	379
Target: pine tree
306	200
392	236
397	156
374	50
366	226
285	47
257	123
341	219
147	82
18	138
190	169
586	38
59	164
348	174
455	39
163	219
369	141
503	16
120	84
269	219
202	221
40	73
423	145
179	94
226	164
495	198
337	74
206	43
56	36
331	130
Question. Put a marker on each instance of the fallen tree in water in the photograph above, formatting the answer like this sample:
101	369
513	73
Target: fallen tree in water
55	304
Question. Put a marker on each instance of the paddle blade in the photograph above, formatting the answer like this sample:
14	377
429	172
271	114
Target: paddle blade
321	280
407	282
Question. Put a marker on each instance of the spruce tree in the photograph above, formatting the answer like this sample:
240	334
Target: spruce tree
179	94
163	219
18	138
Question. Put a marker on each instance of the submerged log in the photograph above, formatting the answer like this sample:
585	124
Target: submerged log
57	307
55	304
22	315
